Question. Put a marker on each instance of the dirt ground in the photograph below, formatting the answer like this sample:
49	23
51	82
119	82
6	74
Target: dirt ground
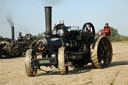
12	72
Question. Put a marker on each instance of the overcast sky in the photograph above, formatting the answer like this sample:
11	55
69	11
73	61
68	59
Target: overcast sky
28	15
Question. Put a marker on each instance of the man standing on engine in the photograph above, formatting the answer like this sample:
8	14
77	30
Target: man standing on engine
20	38
107	31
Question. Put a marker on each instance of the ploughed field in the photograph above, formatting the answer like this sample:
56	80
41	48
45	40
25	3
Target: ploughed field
12	72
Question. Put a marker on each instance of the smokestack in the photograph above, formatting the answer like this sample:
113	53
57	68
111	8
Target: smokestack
48	20
13	35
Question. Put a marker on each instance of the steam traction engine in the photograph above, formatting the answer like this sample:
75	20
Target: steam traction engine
12	47
65	45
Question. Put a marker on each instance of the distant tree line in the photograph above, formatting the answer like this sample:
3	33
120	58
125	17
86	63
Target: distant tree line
39	35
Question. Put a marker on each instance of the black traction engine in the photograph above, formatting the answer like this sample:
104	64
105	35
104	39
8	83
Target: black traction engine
64	45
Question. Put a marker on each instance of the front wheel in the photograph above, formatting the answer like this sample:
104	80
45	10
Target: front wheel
30	70
62	61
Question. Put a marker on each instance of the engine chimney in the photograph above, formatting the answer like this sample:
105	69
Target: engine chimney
48	20
13	35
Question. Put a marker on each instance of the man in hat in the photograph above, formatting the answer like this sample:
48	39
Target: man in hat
107	31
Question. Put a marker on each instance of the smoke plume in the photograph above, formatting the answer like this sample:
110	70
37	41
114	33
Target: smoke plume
50	2
10	21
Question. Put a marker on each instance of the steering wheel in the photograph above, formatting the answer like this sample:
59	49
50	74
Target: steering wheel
88	33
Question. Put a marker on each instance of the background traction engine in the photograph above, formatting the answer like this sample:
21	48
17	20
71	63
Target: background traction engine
12	47
65	45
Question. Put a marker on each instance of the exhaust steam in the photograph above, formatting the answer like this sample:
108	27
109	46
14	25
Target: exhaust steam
50	2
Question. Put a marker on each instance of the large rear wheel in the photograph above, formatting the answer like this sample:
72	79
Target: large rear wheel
30	70
101	52
6	49
62	61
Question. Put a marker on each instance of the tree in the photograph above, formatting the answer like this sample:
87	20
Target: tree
40	35
115	36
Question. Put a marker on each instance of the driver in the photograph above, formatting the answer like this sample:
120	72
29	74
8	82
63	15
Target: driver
107	31
20	38
89	27
89	33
